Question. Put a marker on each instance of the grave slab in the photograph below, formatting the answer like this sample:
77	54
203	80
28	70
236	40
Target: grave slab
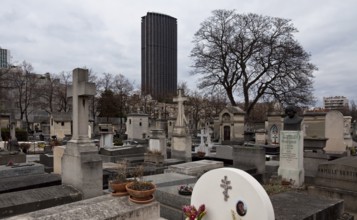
101	207
18	183
195	168
294	206
15	203
170	179
21	169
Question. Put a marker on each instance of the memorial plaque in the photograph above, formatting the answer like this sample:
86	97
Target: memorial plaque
289	148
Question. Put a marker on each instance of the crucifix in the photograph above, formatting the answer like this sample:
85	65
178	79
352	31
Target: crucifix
181	119
80	91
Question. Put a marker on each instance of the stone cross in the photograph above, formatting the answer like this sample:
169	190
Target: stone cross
181	119
80	91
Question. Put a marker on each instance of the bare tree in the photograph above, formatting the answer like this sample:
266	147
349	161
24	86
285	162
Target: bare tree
48	92
252	56
24	83
63	104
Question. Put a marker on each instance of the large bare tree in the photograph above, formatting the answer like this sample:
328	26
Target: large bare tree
24	83
252	57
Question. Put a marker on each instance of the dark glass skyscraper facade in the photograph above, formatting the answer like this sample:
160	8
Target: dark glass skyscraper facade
158	56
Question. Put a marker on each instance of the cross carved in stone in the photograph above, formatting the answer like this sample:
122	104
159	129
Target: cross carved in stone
226	185
80	91
181	119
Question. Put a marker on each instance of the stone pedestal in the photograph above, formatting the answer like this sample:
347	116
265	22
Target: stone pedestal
181	147
82	168
292	157
157	142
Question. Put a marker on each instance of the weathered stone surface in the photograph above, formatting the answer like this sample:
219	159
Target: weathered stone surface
340	173
16	157
47	161
249	156
170	179
171	202
21	169
224	152
16	203
18	183
123	150
301	206
101	207
195	168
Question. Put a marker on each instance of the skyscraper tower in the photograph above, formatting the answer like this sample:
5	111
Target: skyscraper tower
4	58
158	56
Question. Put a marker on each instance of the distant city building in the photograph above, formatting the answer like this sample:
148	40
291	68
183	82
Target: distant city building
158	56
335	102
4	58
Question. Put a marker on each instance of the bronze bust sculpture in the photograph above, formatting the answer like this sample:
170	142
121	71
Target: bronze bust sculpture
292	122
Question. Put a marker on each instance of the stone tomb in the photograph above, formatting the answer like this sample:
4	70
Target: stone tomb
228	192
292	157
338	179
247	157
196	168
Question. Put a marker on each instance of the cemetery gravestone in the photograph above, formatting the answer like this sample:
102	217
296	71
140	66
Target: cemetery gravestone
106	135
181	139
157	142
232	192
291	167
334	132
81	163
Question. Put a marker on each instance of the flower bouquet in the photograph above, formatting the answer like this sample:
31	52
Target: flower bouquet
192	213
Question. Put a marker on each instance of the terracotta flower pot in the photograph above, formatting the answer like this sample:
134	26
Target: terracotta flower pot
118	188
141	192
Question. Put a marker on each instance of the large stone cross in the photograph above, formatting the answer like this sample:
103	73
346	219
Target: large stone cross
181	119
80	91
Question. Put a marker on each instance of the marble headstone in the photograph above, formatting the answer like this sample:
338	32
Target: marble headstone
232	192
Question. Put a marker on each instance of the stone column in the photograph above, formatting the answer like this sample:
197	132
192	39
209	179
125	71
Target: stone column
81	163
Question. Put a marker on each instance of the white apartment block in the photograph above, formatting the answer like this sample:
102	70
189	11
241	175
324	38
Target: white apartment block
335	102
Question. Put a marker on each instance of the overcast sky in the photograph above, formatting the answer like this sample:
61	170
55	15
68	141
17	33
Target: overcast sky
104	35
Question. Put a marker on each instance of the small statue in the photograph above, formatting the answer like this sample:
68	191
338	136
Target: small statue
292	122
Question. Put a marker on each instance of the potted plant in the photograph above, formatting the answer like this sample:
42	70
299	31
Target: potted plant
119	182
140	191
185	190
